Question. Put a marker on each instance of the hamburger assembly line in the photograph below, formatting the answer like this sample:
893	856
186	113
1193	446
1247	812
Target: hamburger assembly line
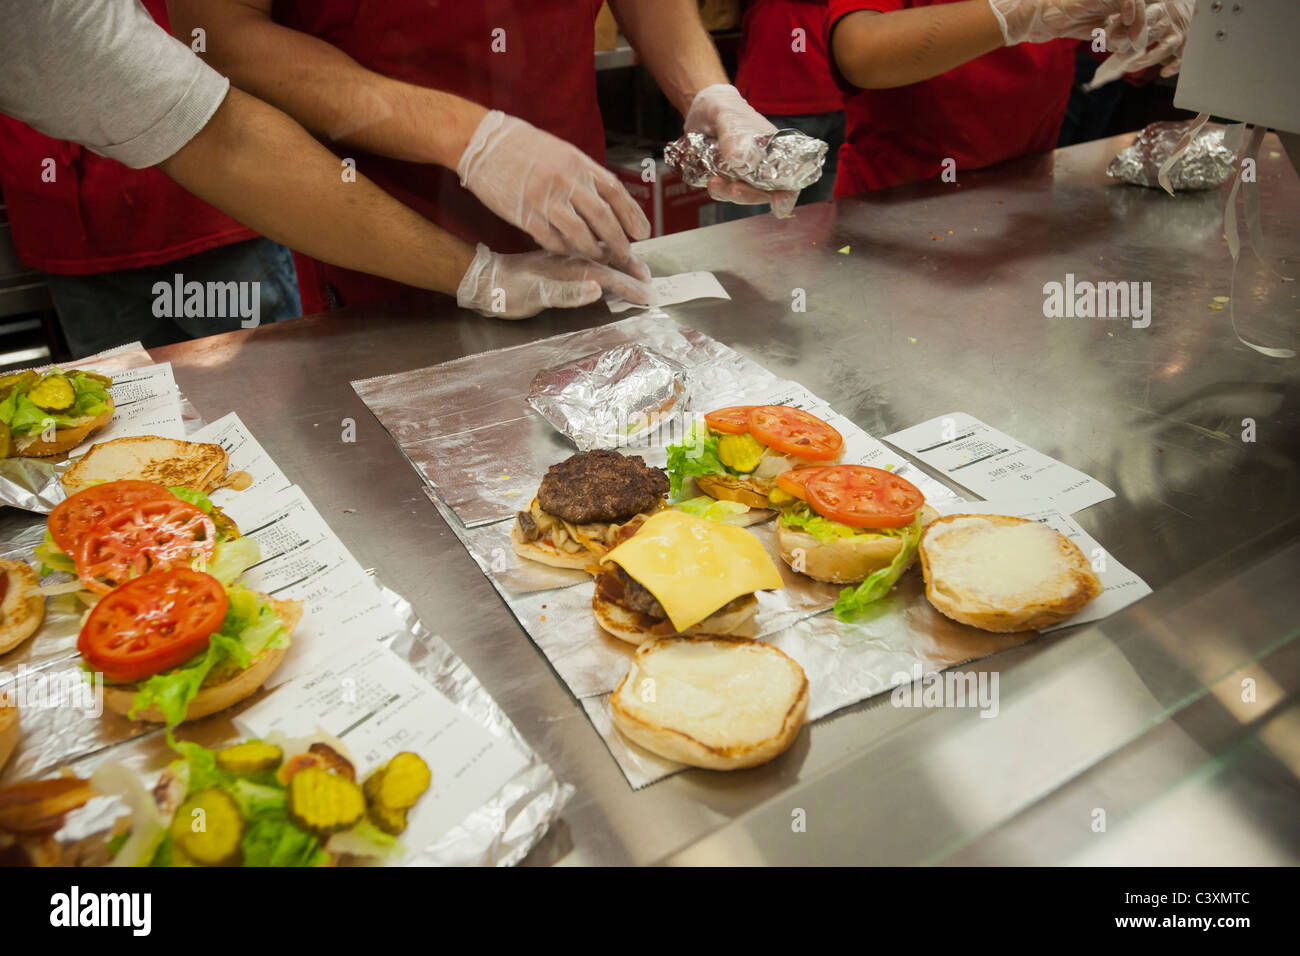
827	537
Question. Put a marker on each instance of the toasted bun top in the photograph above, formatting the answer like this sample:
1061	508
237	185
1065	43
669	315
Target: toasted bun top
1002	561
164	461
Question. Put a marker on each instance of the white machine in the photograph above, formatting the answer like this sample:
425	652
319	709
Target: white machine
1241	62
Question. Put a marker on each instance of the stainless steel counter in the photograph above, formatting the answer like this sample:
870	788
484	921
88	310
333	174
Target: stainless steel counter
921	301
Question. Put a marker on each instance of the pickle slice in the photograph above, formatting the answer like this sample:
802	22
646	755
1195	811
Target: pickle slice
247	759
209	828
16	381
6	440
54	393
742	453
323	803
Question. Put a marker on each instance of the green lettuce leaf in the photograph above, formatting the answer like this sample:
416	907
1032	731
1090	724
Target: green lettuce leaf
277	842
725	512
53	558
197	498
250	627
853	600
824	529
232	558
696	455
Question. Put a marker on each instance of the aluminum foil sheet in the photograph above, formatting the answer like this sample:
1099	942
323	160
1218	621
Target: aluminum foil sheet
499	833
1204	164
610	398
792	160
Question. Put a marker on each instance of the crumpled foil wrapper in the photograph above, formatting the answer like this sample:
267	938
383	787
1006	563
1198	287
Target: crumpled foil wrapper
1205	164
611	398
31	483
792	161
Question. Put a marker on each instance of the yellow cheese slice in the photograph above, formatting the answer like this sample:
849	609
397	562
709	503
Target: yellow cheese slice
694	566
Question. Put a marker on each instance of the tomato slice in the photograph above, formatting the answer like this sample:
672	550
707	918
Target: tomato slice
792	431
864	497
77	514
152	623
151	535
793	482
733	420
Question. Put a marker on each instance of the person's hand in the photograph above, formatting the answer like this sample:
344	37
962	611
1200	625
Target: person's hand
1168	23
720	112
567	202
520	285
1038	21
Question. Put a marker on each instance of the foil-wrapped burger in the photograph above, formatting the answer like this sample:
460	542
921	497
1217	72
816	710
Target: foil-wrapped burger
791	161
1204	164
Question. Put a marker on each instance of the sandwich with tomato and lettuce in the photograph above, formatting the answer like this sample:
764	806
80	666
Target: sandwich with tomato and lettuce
736	453
849	524
178	645
112	532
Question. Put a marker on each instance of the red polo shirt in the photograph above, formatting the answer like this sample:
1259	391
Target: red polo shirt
783	63
96	215
1004	104
533	60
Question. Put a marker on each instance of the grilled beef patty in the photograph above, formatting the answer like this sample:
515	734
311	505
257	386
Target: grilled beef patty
618	587
601	485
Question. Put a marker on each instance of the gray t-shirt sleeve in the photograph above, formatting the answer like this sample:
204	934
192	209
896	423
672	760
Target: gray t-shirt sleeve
103	74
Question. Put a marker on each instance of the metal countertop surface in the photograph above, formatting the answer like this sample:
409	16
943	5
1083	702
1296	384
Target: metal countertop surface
919	301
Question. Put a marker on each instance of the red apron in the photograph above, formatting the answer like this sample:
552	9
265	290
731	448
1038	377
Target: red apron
782	71
999	106
98	215
544	74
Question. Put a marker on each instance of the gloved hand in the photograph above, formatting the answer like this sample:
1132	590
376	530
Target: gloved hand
553	191
1038	21
719	111
520	285
1168	23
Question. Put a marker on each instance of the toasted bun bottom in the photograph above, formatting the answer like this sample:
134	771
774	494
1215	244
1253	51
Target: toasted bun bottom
23	608
207	701
844	560
747	491
546	553
1067	581
66	439
764	701
9	731
631	626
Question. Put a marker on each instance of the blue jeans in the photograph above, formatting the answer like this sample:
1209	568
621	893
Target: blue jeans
825	126
100	311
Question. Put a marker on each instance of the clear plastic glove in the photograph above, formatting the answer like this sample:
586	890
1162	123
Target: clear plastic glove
553	191
517	286
720	112
1038	21
1168	23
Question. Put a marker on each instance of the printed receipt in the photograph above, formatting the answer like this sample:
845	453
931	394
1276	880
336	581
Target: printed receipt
995	465
669	290
147	402
1121	587
378	706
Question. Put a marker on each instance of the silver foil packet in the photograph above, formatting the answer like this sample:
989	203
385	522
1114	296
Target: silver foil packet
1204	164
611	398
792	160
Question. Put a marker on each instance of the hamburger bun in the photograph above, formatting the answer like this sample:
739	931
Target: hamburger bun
747	491
23	607
637	628
9	728
200	466
1004	574
844	560
65	439
119	698
546	553
722	703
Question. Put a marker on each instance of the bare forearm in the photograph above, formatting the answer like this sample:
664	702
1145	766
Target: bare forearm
878	51
257	165
672	42
323	88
